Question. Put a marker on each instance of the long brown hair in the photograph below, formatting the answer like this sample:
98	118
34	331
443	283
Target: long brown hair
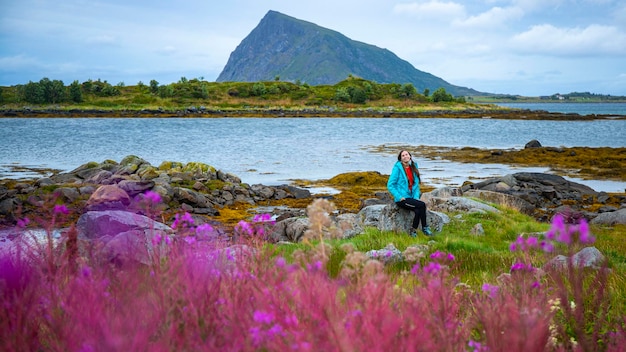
412	165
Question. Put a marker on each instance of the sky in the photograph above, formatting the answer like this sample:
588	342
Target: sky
525	47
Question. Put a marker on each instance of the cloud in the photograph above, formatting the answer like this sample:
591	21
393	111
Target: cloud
435	9
594	40
496	16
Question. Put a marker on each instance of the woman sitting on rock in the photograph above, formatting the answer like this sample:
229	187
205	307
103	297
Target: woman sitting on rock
404	186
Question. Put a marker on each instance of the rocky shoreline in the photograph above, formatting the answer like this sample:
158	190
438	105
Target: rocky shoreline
205	193
203	112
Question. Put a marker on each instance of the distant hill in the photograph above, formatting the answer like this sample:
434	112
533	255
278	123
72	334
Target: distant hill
295	50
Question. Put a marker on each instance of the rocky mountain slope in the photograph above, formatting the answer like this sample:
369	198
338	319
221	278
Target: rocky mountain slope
295	50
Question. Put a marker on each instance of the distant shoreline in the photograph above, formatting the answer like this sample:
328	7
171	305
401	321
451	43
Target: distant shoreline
194	112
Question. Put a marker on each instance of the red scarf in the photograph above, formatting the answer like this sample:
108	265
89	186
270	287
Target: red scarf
409	175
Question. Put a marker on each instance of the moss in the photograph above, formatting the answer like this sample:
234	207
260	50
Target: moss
581	162
215	184
168	165
367	178
231	215
197	166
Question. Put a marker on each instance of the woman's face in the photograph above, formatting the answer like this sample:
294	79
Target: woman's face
405	157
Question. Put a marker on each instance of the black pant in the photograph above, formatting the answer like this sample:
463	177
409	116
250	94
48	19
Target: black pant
418	207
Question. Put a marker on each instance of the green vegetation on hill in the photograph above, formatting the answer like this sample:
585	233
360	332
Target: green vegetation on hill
351	92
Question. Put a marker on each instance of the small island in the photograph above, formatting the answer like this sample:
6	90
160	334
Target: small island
352	97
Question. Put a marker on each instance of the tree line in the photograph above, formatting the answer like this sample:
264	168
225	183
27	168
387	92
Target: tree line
352	90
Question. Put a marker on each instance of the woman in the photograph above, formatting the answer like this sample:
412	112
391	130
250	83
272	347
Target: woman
404	186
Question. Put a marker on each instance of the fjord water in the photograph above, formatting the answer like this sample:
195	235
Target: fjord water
276	150
577	108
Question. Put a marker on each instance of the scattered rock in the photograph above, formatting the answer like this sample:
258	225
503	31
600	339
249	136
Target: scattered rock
478	230
389	254
589	257
533	144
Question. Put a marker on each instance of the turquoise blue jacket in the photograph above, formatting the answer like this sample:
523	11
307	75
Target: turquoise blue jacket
398	184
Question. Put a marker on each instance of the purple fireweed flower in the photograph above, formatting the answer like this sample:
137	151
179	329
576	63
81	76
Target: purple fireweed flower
536	284
585	234
532	242
245	227
291	320
85	347
157	239
276	329
546	246
188	218
437	255
315	266
204	230
564	236
519	266
85	271
281	262
23	222
263	218
153	197
432	268
178	220
477	346
263	317
451	257
416	268
60	209
518	244
257	336
190	239
490	290
558	223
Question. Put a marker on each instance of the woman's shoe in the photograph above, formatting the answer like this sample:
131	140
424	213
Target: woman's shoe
412	233
427	231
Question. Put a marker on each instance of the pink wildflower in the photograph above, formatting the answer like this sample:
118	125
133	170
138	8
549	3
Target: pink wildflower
60	209
437	255
416	268
585	233
432	268
244	227
281	262
547	246
491	290
154	197
204	230
263	317
23	222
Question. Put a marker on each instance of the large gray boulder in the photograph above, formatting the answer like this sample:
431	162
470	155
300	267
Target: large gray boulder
369	216
123	237
95	224
611	218
290	229
396	219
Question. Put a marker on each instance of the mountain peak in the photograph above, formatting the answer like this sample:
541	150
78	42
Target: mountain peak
296	50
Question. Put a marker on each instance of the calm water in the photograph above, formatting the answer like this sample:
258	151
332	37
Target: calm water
276	150
579	108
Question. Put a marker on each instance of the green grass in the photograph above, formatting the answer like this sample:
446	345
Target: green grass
479	259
